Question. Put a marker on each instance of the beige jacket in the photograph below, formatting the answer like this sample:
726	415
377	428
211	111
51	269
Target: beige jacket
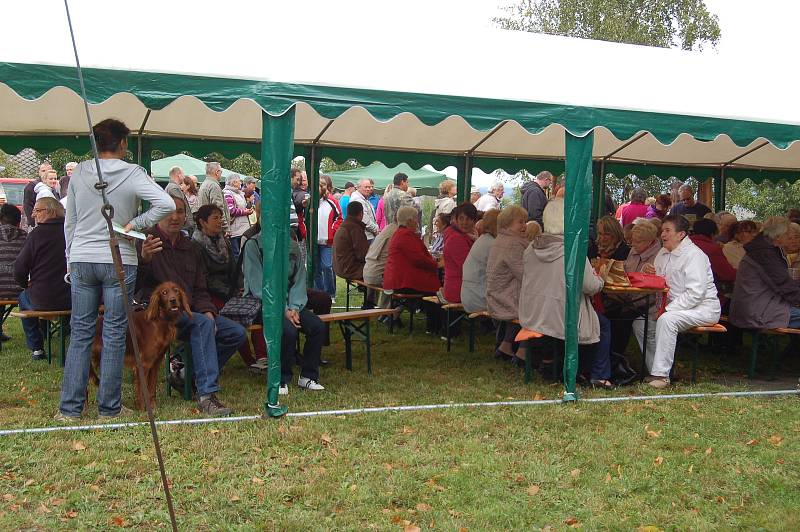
504	275
377	256
541	304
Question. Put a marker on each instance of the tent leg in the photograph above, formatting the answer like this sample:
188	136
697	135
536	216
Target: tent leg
577	210
311	219
276	158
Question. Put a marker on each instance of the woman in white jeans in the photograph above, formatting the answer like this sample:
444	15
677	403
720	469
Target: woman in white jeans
691	301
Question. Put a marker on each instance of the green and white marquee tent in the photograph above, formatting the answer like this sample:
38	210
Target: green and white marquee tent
425	181
668	113
160	168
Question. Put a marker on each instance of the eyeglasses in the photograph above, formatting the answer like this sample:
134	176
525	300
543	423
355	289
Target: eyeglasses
39	210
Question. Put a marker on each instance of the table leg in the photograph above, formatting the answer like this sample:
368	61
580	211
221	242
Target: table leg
644	338
369	348
447	317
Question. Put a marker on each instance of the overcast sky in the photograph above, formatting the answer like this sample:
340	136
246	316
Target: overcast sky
759	35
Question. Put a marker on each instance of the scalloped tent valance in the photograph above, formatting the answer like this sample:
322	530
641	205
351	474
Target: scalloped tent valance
173	110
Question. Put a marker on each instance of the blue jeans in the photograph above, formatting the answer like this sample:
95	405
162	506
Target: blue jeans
236	244
600	353
89	282
324	279
31	326
210	349
794	317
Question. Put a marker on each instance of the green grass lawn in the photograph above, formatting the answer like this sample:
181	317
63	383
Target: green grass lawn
716	463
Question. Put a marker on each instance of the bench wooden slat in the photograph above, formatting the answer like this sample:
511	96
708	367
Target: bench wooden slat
453	306
357	314
8	302
397	295
527	334
781	330
41	314
481	314
359	282
431	299
700	329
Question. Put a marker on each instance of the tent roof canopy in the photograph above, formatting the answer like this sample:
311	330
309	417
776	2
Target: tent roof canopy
190	166
457	112
422	179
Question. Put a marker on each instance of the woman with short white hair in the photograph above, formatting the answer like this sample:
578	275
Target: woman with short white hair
238	210
692	298
544	294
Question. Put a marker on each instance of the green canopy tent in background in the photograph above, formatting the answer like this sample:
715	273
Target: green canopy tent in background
160	169
425	181
455	117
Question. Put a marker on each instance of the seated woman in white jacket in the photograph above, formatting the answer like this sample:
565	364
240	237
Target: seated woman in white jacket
692	298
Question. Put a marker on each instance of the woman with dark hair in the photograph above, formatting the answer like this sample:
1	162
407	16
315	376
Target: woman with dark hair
660	207
91	268
223	283
189	189
440	223
691	300
458	239
743	233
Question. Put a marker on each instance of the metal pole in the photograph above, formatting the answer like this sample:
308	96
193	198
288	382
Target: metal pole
108	214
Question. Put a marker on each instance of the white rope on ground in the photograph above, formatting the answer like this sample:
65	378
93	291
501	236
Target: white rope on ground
407	408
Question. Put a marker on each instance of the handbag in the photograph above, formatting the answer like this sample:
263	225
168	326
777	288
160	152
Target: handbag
242	309
613	273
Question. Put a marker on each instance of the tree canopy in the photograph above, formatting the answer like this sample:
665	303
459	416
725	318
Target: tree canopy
687	24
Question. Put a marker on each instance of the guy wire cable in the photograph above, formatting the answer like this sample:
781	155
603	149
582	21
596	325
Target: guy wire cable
108	213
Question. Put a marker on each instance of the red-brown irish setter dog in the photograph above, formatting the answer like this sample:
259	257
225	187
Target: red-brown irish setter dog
155	330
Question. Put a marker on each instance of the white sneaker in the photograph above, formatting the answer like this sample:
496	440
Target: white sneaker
283	390
309	384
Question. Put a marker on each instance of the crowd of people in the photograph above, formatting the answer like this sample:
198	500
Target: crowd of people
504	259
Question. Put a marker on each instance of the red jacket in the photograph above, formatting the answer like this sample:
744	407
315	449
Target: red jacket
720	267
409	264
456	249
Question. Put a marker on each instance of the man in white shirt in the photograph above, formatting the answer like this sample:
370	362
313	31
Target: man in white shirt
491	200
362	192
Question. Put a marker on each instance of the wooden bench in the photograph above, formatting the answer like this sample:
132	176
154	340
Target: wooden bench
700	330
8	305
354	284
450	322
56	322
526	335
772	336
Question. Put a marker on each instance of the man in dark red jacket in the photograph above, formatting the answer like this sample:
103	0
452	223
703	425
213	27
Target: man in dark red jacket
168	255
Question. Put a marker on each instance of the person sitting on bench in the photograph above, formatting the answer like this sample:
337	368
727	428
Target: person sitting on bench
40	268
169	255
410	268
12	238
297	316
764	295
350	246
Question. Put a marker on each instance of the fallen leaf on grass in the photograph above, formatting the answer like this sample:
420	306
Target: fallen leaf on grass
708	451
58	502
408	430
653	434
574	473
353	487
695	407
608	478
688	450
533	490
411	528
572	521
779	461
648	528
257	480
72	514
659	460
463	529
234	498
538	397
120	461
423	507
29	482
8	497
752	442
214	431
42	509
775	439
78	446
691	468
453	513
720	499
326	439
118	521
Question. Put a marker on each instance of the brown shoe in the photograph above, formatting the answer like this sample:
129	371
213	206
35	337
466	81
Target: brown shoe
659	382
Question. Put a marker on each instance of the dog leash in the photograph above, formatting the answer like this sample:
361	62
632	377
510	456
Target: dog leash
108	213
